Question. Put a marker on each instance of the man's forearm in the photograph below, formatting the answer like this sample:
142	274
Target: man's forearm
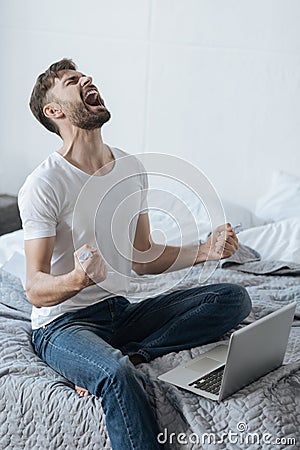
169	258
49	290
222	243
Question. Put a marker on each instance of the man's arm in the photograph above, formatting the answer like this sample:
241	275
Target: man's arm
44	289
149	257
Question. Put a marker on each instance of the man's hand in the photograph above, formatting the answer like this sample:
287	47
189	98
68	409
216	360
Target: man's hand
222	243
90	271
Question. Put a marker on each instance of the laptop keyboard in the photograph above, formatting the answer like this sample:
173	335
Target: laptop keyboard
210	382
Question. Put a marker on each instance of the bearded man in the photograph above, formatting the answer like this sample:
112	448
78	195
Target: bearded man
83	326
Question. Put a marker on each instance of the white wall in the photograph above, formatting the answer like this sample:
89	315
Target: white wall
213	81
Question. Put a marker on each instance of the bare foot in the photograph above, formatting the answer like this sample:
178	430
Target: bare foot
81	391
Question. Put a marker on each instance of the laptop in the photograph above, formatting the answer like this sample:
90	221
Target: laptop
252	352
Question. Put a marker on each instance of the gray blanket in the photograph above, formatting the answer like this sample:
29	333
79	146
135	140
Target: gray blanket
40	409
247	259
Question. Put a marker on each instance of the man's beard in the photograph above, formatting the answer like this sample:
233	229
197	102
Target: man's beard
81	117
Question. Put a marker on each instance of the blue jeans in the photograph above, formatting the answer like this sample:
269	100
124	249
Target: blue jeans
90	347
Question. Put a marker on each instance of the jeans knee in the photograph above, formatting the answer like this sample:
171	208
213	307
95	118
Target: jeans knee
121	371
242	299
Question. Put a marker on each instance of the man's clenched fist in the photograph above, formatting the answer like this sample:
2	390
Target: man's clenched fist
222	243
90	267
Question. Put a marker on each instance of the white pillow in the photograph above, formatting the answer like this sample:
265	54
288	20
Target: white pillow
11	243
282	200
17	266
239	214
275	241
190	222
12	254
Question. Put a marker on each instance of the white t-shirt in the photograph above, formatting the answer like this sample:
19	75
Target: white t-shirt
58	199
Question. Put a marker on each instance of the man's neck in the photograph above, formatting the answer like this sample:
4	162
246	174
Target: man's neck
85	149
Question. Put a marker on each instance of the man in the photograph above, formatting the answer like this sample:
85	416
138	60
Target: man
77	272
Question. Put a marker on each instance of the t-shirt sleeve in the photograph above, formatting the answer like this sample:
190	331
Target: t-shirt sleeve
38	207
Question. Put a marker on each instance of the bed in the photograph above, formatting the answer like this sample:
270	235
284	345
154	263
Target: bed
40	409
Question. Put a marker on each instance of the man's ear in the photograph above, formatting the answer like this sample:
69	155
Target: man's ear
53	111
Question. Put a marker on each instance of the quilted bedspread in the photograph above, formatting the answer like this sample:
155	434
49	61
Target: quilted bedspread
39	409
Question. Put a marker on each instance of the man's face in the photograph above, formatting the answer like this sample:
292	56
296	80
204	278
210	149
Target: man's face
80	100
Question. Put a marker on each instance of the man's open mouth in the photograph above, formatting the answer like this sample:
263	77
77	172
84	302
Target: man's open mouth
92	98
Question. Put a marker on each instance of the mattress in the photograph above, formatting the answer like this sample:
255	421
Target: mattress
41	410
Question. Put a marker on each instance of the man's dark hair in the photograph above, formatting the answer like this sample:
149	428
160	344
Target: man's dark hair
39	96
